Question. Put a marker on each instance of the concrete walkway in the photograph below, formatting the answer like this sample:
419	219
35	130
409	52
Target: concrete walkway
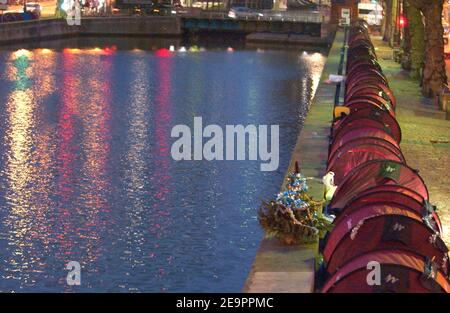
425	133
281	268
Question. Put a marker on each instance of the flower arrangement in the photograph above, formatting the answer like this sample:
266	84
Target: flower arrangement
294	217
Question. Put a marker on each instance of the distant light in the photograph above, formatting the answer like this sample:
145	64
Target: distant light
194	48
22	53
163	53
46	51
95	50
72	51
182	49
230	49
172	48
65	5
317	56
313	57
402	21
110	50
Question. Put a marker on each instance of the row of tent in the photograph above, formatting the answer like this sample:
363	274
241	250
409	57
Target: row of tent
387	237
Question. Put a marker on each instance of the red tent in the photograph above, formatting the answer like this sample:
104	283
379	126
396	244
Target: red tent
400	271
383	226
349	156
357	41
399	197
378	188
388	121
375	141
360	52
371	89
362	123
353	133
386	235
356	105
379	100
375	173
363	59
358	66
355	78
367	81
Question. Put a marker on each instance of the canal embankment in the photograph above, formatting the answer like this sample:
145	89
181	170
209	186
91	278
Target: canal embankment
282	268
28	31
316	33
289	39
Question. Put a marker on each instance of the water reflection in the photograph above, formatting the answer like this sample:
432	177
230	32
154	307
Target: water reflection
94	109
137	169
19	169
162	221
87	176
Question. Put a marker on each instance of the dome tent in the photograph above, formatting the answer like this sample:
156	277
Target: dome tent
375	173
383	226
400	271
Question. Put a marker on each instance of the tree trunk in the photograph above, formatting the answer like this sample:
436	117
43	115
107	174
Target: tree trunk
383	21
388	21
434	76
417	33
394	23
406	42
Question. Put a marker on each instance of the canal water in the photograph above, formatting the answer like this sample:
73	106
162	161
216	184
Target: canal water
86	172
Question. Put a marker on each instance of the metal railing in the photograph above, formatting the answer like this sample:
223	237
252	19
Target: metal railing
276	16
337	95
262	15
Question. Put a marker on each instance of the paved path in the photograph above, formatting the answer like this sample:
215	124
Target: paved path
281	268
425	133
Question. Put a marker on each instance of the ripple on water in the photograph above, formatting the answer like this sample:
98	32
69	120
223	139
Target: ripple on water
86	173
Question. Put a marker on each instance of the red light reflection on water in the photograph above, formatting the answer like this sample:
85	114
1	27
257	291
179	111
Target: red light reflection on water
83	124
